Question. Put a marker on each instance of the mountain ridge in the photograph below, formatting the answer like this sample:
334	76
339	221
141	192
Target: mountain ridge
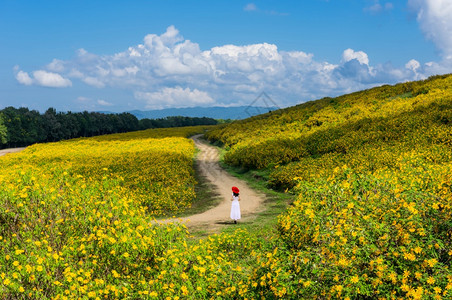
215	112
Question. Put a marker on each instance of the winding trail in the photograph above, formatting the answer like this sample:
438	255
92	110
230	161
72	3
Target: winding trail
208	164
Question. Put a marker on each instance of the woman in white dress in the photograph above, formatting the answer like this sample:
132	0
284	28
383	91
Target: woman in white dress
235	206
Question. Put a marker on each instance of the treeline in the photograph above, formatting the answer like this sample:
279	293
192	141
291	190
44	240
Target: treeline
176	121
22	127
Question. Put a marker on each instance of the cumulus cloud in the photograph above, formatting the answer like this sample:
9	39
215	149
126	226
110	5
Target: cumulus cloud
360	56
168	70
49	79
56	65
42	78
23	78
413	65
434	17
168	97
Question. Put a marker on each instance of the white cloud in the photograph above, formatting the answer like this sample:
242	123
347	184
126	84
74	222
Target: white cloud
171	97
435	20
360	56
416	68
169	71
23	78
250	7
49	79
42	78
56	65
413	65
104	103
93	81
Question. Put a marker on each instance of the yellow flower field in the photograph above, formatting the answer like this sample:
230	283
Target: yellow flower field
76	216
373	216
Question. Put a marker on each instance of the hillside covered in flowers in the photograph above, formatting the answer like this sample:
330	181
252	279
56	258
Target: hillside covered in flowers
372	219
372	171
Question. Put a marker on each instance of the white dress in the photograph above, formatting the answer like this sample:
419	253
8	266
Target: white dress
235	208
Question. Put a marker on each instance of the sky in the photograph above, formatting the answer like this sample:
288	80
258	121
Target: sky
124	55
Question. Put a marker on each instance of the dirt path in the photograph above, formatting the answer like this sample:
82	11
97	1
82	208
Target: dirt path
214	218
251	201
10	150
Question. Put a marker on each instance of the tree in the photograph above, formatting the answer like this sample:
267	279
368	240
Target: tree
3	131
52	125
13	123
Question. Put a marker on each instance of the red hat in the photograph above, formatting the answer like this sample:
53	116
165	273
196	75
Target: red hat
235	189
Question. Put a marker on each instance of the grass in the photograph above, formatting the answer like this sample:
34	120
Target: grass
276	202
263	223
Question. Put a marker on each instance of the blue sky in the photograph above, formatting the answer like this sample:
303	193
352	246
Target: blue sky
124	55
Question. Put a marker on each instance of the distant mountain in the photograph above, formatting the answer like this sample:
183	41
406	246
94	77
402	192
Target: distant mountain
216	112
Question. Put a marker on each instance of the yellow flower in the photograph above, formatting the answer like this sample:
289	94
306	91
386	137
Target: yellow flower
354	279
115	274
432	262
184	290
409	256
431	280
153	294
437	289
92	294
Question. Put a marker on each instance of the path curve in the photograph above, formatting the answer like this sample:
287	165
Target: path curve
208	164
10	150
